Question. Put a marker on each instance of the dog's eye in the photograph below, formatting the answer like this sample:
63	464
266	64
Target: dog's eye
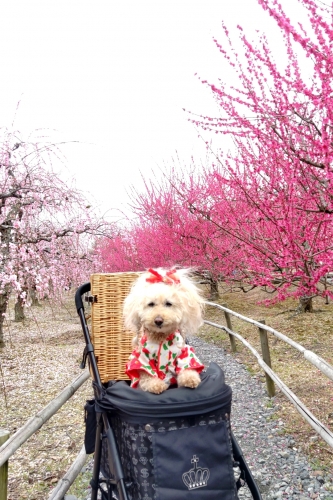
168	304
151	304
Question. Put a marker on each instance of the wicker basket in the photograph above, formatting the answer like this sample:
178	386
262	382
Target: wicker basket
112	344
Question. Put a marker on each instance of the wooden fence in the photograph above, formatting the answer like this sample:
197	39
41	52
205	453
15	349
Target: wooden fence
265	364
10	444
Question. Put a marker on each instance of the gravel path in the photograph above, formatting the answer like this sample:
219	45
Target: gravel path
279	470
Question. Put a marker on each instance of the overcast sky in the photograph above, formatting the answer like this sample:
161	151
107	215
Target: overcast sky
115	76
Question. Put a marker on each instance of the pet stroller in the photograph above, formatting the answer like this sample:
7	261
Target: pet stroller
177	445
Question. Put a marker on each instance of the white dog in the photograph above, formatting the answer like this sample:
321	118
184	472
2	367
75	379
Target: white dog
162	307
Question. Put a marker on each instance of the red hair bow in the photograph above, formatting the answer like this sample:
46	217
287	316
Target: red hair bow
168	279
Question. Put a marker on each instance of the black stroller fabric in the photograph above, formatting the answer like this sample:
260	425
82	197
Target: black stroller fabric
176	445
90	426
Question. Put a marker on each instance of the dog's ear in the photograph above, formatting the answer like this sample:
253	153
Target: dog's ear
192	318
132	319
192	303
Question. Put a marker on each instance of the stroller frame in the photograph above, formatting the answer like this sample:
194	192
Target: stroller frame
117	486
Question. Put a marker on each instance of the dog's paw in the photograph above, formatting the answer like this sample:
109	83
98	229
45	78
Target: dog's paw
154	385
158	386
188	378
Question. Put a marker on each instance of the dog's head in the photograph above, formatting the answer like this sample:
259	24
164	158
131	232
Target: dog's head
163	301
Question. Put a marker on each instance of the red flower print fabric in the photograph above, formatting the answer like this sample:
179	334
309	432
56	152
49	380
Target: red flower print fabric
163	360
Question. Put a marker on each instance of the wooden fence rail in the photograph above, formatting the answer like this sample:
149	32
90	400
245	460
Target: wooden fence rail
310	356
319	427
271	376
10	445
36	422
64	484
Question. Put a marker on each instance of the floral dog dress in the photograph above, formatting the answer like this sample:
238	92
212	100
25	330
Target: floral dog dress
163	360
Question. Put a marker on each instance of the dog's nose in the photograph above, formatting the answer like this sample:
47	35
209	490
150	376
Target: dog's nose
158	321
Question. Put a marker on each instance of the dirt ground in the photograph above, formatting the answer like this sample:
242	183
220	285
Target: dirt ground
42	356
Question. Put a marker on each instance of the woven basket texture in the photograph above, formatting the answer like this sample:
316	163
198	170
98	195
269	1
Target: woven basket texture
112	343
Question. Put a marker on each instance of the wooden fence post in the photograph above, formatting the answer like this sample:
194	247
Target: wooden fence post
267	358
229	325
4	435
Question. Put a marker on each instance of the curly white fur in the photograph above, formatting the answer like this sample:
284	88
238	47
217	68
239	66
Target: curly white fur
184	313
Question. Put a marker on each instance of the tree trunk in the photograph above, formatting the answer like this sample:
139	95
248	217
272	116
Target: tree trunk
3	309
325	288
305	304
19	309
34	298
5	239
214	290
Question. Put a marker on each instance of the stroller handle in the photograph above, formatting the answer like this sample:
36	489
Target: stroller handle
116	466
78	295
89	349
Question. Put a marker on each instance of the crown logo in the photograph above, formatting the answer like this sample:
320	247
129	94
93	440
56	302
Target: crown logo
196	477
